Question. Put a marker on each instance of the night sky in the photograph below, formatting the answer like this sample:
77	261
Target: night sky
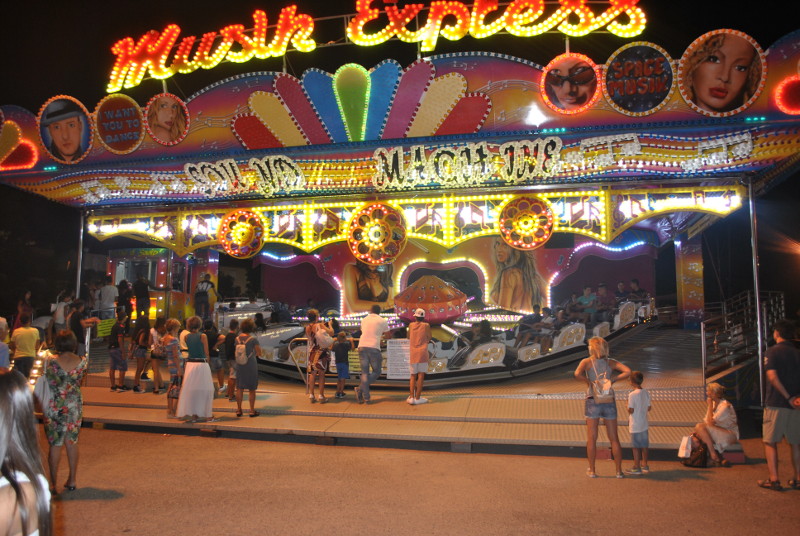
51	48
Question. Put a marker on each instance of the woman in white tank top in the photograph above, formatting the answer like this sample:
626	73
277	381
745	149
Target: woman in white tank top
597	372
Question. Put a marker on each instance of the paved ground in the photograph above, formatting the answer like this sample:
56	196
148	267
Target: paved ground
139	483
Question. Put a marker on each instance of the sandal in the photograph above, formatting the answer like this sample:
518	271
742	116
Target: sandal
722	462
255	414
794	484
238	413
774	485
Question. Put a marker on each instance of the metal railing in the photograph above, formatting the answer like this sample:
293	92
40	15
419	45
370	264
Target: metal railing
730	337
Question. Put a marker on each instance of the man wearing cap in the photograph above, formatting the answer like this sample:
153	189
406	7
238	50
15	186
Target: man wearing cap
419	335
373	326
63	120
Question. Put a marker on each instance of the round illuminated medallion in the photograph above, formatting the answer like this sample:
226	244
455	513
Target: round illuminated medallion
526	223
241	233
377	234
787	95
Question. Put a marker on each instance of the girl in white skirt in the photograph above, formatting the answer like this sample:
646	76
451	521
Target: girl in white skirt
197	389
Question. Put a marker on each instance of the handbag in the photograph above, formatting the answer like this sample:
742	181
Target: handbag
698	457
685	449
174	390
42	391
603	390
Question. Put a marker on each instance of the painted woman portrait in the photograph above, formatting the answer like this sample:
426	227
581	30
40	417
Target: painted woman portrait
166	119
570	83
517	285
721	72
366	285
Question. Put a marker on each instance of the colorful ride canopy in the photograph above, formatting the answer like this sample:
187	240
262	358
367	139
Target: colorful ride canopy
453	143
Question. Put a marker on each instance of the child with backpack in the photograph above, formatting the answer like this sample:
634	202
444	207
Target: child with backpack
638	407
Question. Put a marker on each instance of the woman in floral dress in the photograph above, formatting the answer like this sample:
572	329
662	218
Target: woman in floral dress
64	413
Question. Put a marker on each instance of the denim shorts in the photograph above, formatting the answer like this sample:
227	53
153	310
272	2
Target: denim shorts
118	362
343	370
640	440
593	410
215	363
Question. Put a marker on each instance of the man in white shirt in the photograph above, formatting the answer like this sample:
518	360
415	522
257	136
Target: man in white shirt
373	326
107	298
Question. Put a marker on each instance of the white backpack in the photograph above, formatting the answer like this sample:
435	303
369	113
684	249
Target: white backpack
241	351
602	387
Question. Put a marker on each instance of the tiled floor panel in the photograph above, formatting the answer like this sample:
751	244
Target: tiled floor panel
542	409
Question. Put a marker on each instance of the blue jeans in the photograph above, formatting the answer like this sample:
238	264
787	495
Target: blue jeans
370	358
201	305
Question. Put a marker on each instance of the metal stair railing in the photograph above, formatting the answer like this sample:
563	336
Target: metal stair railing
731	337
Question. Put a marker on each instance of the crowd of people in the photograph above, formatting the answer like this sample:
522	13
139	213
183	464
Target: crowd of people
590	308
199	357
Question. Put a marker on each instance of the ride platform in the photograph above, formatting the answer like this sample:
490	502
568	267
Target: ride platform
536	411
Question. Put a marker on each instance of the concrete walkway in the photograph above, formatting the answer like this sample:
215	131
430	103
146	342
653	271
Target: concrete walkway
162	484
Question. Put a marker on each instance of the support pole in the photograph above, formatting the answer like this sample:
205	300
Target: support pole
756	288
79	265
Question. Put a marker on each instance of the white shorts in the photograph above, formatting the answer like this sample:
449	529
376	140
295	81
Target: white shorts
417	368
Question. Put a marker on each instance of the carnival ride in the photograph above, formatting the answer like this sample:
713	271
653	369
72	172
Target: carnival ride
465	161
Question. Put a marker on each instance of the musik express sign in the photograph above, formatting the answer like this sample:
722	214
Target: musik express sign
164	54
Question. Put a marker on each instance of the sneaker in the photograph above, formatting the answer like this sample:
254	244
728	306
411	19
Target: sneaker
311	398
634	471
223	389
359	395
113	388
645	469
620	475
144	377
338	395
122	388
137	389
410	400
591	474
420	400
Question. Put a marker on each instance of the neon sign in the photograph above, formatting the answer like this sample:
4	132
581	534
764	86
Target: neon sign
519	18
162	54
153	50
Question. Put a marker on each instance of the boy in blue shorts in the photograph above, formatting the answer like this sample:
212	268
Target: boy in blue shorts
638	406
341	349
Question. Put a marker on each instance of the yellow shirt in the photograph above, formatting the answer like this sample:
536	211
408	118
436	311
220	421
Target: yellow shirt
25	340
